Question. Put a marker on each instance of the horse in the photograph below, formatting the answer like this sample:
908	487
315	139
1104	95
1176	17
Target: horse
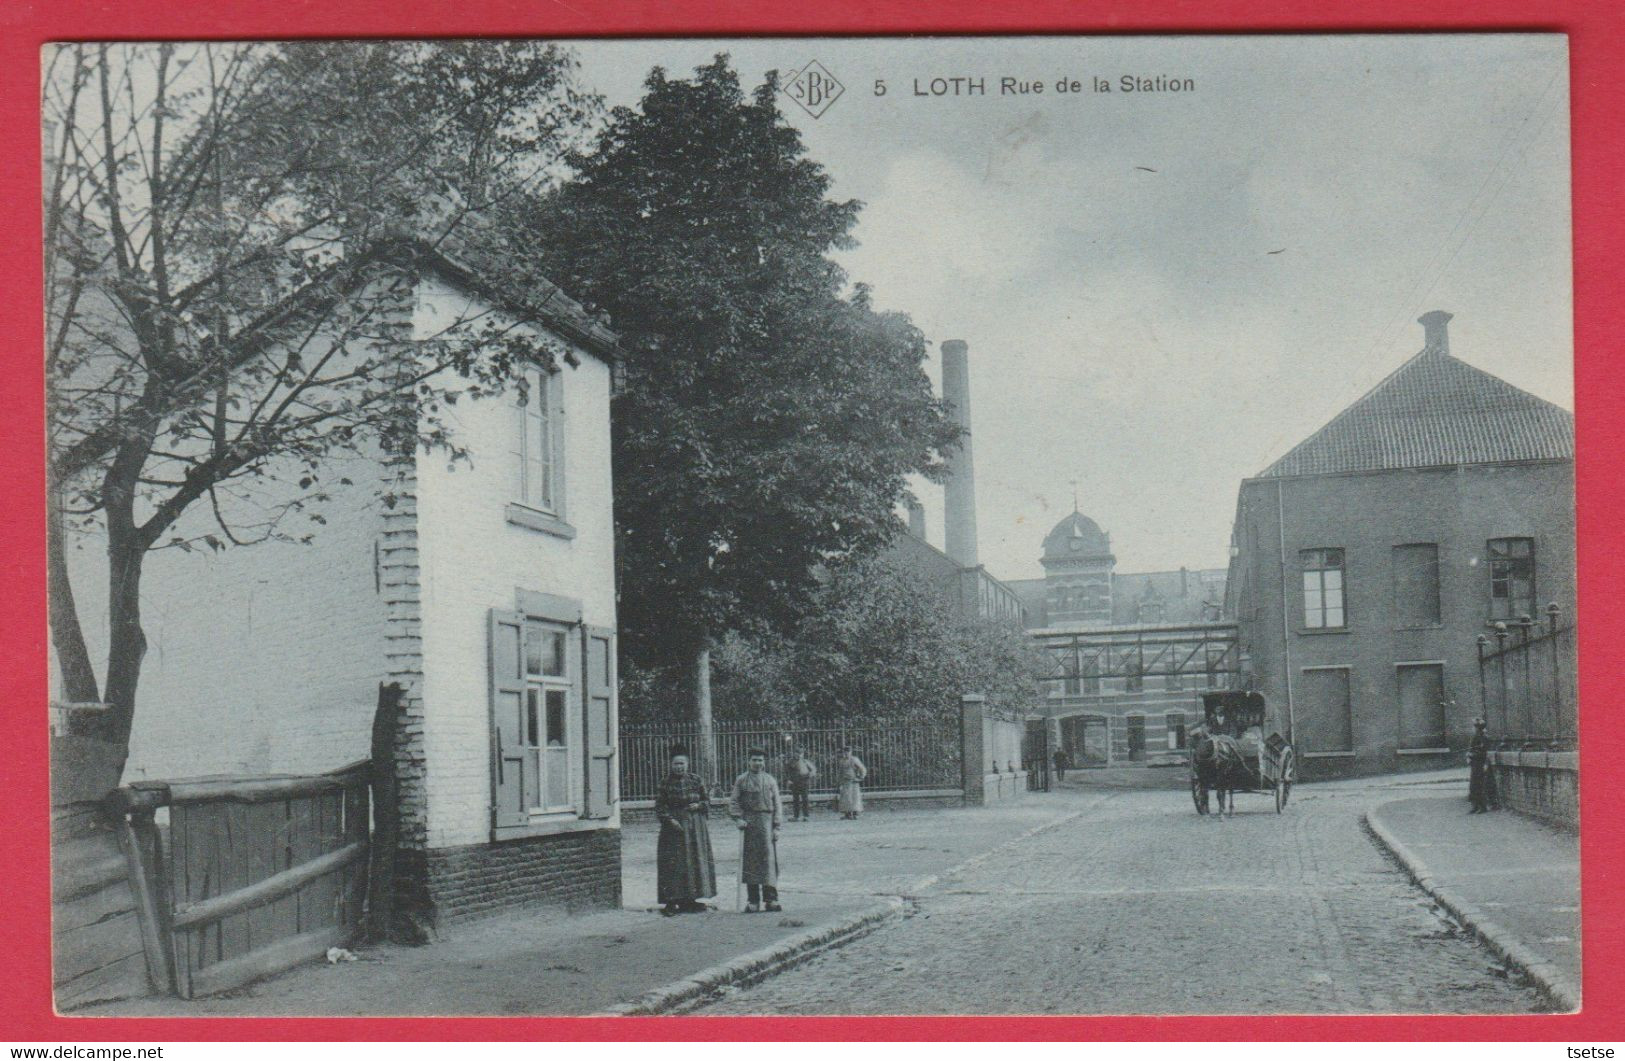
1220	768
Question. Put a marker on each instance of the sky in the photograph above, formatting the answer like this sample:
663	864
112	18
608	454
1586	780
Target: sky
1163	292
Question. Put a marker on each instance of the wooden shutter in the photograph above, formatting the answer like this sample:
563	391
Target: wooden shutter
509	757
601	736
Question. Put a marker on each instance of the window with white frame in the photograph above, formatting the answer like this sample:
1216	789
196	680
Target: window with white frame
540	463
1323	587
549	712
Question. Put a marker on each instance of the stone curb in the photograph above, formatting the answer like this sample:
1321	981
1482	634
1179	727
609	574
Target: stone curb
1554	981
758	965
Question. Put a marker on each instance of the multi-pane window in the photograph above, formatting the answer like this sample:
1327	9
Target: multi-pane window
1133	678
548	694
1323	586
1512	577
1174	681
538	441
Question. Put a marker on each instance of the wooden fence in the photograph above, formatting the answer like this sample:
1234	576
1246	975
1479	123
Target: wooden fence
906	755
251	876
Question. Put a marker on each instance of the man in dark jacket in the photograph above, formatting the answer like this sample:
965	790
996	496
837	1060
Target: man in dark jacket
1478	762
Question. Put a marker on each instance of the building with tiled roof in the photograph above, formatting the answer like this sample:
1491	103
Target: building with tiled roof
1434	410
1367	560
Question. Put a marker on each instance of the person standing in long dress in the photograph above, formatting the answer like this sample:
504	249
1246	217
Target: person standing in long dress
852	774
687	872
755	808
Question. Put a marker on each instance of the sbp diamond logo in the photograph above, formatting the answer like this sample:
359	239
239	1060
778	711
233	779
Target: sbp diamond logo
813	88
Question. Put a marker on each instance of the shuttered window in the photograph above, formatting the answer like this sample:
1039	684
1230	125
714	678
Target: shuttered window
1325	716
1416	585
553	721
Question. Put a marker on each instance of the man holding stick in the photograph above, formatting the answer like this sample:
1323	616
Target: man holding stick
754	807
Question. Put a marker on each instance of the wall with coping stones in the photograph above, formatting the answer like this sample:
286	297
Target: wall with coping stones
1543	785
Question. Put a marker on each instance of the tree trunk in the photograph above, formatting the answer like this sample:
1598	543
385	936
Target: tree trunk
127	644
706	752
67	637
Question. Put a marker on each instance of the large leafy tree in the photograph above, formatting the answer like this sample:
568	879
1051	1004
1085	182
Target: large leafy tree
880	643
769	419
229	232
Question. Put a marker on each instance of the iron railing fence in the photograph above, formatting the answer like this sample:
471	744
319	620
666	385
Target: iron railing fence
900	755
1528	683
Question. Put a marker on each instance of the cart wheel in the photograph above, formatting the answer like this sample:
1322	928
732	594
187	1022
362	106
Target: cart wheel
1280	795
1199	795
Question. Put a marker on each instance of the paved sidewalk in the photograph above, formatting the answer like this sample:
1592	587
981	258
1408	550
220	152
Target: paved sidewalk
1512	880
834	873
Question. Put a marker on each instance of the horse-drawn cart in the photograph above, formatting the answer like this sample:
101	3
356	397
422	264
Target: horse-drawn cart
1230	753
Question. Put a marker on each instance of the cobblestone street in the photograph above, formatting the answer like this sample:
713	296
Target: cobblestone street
1140	906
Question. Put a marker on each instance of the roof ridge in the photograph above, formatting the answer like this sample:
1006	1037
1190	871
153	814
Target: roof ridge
1352	406
1432	409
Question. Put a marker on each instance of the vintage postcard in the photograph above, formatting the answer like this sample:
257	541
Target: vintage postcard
1064	525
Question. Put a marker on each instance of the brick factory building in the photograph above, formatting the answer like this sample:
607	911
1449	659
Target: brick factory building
1131	651
1368	560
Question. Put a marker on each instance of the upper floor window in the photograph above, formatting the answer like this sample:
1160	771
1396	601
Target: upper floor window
539	436
1416	585
1323	586
1512	577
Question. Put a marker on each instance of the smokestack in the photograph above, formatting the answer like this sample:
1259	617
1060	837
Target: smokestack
916	519
959	492
1434	330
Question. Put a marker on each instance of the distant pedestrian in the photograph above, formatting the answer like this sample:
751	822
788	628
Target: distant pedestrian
1060	759
686	869
755	808
1478	763
852	774
799	771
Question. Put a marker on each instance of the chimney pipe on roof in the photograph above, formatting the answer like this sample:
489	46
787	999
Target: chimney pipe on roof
959	491
916	519
1436	334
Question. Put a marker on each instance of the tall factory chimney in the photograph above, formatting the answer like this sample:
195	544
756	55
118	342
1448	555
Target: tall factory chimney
959	492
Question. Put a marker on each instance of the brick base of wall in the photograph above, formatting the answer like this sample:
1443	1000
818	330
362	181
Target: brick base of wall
1543	785
576	871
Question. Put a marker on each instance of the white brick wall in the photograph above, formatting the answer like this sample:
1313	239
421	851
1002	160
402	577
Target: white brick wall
268	659
263	659
472	560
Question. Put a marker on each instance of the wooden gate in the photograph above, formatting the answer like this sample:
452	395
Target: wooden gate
261	874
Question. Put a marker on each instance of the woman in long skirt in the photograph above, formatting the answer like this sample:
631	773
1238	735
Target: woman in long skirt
852	774
687	871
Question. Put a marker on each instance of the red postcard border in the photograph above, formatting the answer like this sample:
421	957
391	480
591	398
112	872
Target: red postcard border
1596	31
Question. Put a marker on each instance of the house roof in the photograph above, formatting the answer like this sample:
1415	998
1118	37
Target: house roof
1433	410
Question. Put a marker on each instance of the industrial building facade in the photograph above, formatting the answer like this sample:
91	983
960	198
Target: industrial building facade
1368	560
